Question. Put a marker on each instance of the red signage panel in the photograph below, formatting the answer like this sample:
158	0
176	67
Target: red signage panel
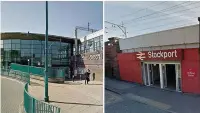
171	54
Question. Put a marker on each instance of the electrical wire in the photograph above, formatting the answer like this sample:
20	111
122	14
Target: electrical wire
171	13
157	12
165	24
135	12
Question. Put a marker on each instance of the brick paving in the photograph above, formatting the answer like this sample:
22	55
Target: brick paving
11	95
72	97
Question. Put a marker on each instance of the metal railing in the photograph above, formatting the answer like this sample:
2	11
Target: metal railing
32	105
22	76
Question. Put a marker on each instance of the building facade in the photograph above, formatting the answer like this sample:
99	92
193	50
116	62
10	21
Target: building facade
111	63
168	59
24	48
91	55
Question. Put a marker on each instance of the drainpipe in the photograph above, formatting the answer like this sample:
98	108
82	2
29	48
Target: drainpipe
199	50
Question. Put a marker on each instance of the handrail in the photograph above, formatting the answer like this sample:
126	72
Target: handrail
33	105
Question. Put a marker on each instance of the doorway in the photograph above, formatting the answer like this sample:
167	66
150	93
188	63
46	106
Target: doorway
155	74
163	75
171	76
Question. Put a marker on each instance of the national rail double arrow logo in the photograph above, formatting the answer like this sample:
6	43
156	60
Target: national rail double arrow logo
141	55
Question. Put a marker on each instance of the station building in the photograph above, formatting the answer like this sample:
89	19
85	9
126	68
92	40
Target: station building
167	59
17	47
90	52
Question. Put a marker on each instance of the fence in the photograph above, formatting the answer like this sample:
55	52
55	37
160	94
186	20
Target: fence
22	76
32	105
39	71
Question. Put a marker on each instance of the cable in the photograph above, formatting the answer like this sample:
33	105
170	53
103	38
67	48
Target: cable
171	13
161	11
135	12
160	25
166	14
151	22
177	26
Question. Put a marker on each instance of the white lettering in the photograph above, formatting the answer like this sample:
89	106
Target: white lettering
175	53
169	54
149	53
161	54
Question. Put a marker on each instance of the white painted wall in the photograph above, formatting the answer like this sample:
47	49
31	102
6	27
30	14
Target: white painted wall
92	35
179	37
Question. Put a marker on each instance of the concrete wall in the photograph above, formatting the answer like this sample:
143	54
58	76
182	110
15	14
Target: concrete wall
179	36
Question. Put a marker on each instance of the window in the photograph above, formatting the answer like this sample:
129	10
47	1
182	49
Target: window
16	41
35	42
24	46
7	46
26	42
6	41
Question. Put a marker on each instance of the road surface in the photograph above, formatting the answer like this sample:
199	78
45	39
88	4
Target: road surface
115	103
11	95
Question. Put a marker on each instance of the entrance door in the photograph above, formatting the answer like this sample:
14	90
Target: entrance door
163	77
151	74
178	77
145	73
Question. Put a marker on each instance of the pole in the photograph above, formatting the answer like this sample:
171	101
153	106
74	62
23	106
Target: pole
46	97
29	72
75	58
199	36
199	43
32	52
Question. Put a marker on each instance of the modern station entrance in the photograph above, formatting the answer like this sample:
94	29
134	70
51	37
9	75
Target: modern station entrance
165	75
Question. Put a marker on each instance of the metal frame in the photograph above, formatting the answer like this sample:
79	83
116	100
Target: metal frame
161	72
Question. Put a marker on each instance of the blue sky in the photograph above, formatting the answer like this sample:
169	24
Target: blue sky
63	16
166	15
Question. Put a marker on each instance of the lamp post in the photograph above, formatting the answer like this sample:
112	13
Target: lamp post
46	97
29	71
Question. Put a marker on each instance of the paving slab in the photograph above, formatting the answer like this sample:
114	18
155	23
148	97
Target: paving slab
72	97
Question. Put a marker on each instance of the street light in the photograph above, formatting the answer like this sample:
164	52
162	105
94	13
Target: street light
29	71
46	97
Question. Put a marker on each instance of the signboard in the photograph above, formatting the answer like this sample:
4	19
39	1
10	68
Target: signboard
175	54
191	73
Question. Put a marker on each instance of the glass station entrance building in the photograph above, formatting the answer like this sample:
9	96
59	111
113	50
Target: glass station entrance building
167	59
19	47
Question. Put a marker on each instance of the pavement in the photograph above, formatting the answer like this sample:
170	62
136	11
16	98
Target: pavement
121	96
71	97
11	95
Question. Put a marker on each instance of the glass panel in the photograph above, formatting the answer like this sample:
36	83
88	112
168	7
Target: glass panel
6	41
6	45
36	51
37	42
37	46
26	41
25	51
17	46
23	46
16	41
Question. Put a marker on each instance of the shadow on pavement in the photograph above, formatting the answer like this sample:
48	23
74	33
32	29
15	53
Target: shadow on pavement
75	103
94	84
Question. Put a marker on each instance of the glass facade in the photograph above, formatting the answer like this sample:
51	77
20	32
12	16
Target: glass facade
92	45
19	51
